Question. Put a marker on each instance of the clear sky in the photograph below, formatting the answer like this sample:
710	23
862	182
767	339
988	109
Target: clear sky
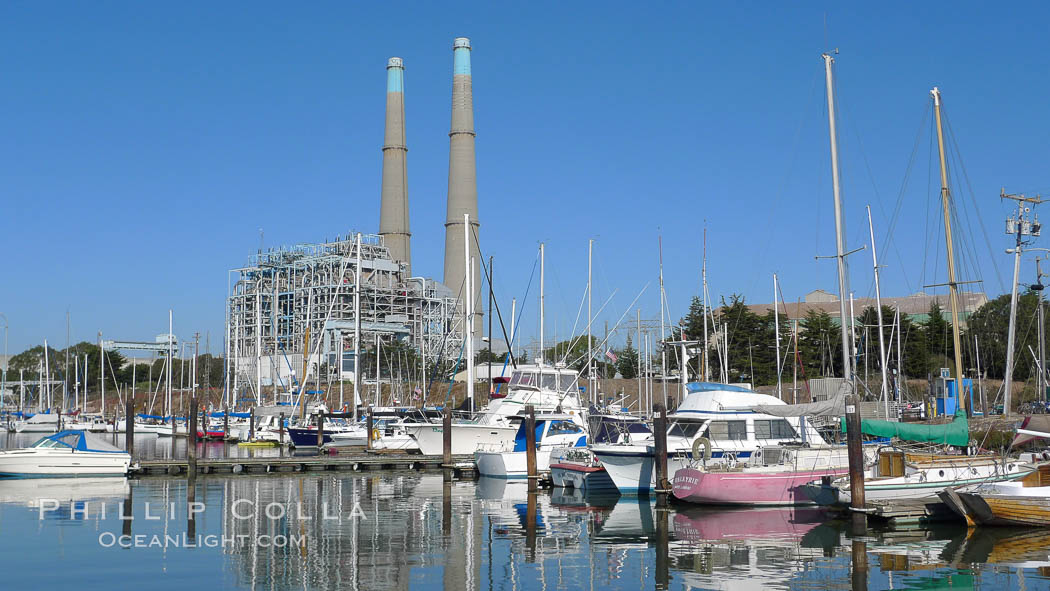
144	146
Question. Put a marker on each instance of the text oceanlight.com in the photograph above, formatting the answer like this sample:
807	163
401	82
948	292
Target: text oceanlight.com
110	540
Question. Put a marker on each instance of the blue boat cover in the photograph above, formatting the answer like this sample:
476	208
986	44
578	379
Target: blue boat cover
77	440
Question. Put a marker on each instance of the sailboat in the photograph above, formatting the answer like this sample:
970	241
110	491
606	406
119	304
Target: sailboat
900	474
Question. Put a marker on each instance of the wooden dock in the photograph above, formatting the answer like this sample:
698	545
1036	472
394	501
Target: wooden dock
911	511
350	462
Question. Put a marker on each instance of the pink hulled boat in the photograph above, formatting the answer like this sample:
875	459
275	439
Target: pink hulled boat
772	476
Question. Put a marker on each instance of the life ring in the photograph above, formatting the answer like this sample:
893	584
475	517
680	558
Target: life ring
375	434
706	443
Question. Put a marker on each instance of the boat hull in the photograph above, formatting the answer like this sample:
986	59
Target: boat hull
306	437
466	437
51	463
748	488
583	478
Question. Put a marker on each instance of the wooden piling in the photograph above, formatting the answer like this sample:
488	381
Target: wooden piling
320	431
530	448
226	423
251	424
530	525
663	575
129	426
855	454
370	425
446	441
660	453
191	468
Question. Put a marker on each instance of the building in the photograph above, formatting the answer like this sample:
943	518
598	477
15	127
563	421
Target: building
291	300
916	306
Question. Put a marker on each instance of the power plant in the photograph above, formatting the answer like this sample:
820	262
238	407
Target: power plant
295	310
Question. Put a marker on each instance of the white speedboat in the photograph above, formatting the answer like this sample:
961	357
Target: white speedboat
66	453
718	413
509	460
548	389
38	423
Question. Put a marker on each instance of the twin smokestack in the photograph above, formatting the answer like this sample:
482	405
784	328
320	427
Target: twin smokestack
462	176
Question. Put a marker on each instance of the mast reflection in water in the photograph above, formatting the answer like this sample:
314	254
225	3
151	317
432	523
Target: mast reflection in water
406	530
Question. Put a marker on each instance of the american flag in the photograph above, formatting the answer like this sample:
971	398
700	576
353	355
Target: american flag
610	355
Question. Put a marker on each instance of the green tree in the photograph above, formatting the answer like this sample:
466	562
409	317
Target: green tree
627	361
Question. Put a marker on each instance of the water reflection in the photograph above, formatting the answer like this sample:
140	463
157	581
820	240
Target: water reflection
412	530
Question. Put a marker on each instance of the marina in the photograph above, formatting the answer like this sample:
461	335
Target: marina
652	319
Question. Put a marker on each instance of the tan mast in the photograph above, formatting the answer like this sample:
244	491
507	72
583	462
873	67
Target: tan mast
953	287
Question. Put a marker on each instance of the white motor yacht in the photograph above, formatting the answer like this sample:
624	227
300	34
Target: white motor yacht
721	414
547	388
66	453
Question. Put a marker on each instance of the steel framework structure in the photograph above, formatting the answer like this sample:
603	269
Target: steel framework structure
288	300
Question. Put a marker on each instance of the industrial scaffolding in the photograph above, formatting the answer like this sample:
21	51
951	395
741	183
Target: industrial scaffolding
292	302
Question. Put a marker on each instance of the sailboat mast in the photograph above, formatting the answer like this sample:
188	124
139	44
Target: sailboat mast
707	365
357	332
776	329
840	237
853	424
953	287
590	318
541	301
878	314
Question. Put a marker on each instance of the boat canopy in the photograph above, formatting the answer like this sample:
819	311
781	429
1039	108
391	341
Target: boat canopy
714	387
956	432
832	407
78	440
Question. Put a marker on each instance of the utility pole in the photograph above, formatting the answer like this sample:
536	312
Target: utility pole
1038	287
1020	227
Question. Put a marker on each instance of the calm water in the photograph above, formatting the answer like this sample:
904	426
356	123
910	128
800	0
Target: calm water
400	530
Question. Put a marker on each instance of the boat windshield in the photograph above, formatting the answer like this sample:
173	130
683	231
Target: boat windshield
522	378
69	441
685	429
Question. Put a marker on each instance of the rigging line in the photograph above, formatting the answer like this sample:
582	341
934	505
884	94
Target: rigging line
773	219
622	316
575	339
928	235
973	198
495	303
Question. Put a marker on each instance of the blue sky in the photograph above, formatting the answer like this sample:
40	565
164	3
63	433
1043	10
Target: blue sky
143	146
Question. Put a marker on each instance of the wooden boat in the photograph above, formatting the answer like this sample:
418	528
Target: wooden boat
1024	502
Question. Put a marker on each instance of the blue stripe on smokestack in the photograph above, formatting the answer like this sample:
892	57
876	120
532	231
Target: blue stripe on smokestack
395	75
461	56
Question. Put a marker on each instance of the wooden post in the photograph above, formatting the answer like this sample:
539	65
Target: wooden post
191	434
660	453
530	447
446	442
226	423
280	429
125	512
530	525
855	454
370	425
251	424
129	427
320	431
663	577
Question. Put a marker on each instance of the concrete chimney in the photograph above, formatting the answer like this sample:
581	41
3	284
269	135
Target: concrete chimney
462	180
393	210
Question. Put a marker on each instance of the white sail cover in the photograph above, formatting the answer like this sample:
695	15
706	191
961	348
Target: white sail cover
832	407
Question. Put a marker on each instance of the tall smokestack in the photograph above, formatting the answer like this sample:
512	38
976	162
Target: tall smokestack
462	179
393	211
